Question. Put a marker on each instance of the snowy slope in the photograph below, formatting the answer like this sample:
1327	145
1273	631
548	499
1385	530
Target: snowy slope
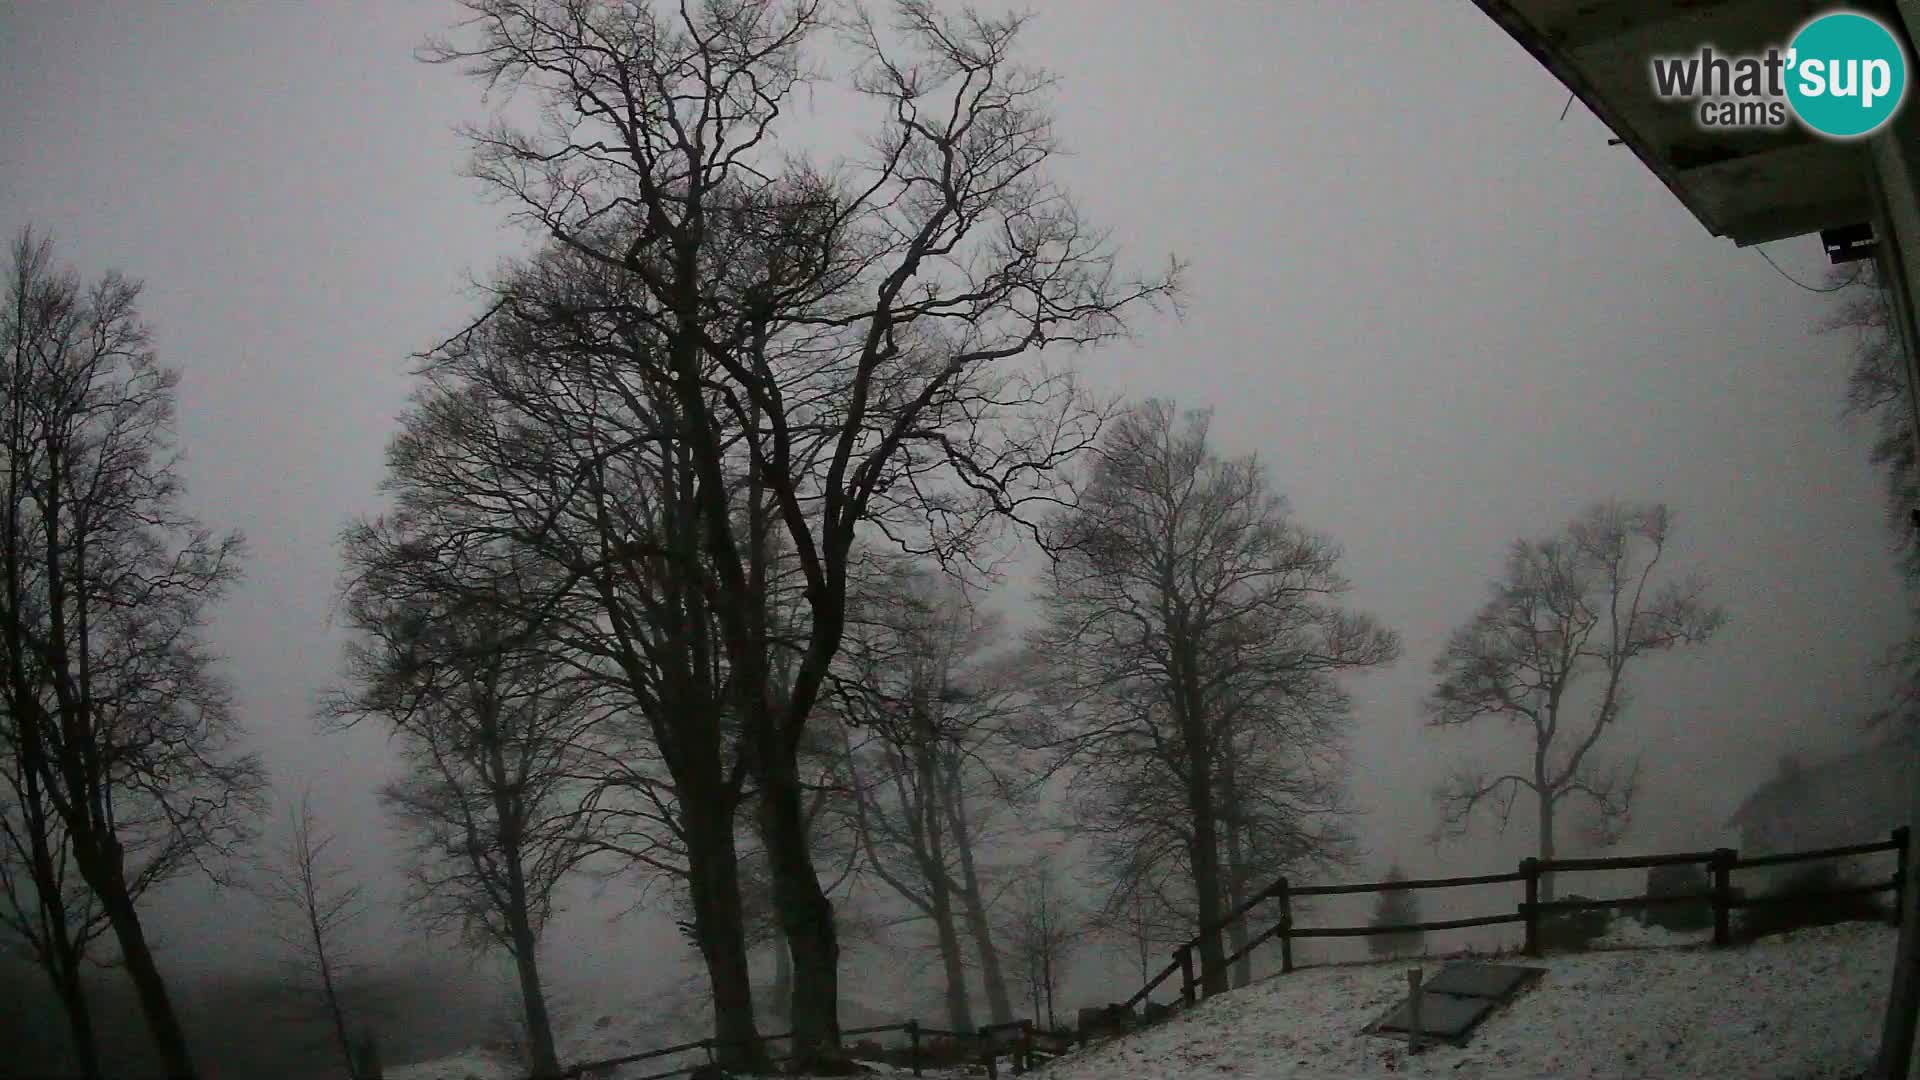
1795	1007
468	1065
1800	1007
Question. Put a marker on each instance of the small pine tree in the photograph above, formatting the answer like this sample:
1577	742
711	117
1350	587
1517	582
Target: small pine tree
1396	907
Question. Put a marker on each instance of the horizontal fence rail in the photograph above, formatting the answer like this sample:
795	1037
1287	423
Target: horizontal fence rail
1401	886
1720	864
1014	1040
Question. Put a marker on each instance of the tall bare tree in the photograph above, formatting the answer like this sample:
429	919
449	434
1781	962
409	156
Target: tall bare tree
534	433
1188	617
114	706
1571	610
315	909
493	730
842	340
925	778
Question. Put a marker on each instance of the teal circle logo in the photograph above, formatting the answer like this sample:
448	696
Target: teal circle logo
1846	74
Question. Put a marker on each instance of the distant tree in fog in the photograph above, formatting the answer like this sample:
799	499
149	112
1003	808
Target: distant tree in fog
1043	929
1190	661
1572	610
1396	907
928	771
494	732
116	722
314	909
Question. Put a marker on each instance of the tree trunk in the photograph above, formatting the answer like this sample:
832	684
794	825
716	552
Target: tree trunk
1546	845
1189	710
62	959
719	923
806	915
782	980
1048	982
541	1057
73	999
974	907
334	1010
169	1040
933	815
1236	867
1236	895
1208	890
1205	856
959	1010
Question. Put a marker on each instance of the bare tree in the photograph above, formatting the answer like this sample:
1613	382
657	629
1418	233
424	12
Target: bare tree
315	908
841	340
1044	929
925	778
1582	603
1132	913
42	900
115	709
493	731
531	435
1189	618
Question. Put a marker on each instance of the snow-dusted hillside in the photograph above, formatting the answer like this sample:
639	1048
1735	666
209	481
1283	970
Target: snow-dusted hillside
588	1029
1799	1007
1795	1008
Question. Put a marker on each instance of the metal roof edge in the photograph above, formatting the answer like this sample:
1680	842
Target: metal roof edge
1530	38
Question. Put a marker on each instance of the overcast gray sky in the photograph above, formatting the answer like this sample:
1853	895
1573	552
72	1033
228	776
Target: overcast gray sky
1444	318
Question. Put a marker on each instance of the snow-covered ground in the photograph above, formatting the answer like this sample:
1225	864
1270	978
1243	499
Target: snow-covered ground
478	1065
1795	1007
584	1034
1646	1003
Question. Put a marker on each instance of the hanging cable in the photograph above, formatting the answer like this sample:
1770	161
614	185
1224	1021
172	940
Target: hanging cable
1804	285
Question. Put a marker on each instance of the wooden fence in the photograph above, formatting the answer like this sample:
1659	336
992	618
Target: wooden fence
1022	1044
1721	863
1019	1042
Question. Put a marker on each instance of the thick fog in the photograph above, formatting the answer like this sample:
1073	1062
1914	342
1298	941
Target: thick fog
1444	316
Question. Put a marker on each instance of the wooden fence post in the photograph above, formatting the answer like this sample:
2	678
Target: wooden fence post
1722	864
1284	893
1900	838
913	1045
993	1059
1184	954
1530	907
1026	1046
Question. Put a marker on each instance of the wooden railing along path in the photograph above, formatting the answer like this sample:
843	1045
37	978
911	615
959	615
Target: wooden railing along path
1721	863
1019	1042
1022	1044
